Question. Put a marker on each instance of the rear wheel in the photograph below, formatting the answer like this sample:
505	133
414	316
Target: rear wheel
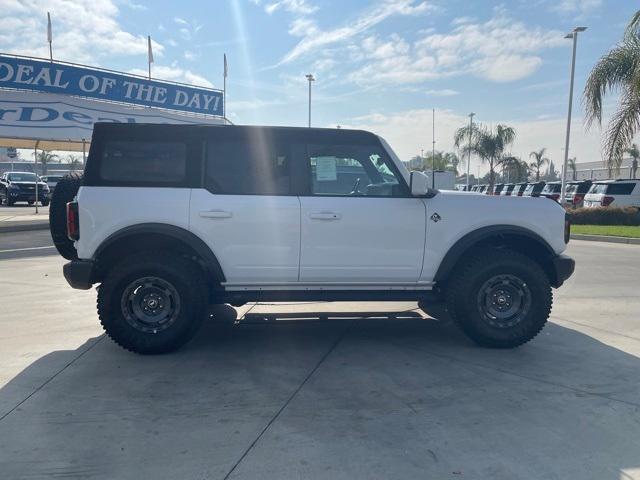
65	192
152	302
499	298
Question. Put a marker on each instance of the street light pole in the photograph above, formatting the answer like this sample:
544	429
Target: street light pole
469	158
310	78
574	36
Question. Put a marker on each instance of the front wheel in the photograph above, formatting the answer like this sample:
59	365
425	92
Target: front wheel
499	298
152	302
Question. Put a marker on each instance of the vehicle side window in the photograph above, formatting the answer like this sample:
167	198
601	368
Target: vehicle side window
149	162
352	170
248	167
620	188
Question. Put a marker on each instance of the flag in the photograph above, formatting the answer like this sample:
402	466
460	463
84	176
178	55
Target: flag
49	31
226	70
150	53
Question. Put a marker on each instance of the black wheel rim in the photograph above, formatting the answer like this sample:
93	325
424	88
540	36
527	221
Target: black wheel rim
150	304
504	301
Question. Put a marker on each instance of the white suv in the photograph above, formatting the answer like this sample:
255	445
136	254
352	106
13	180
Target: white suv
170	218
616	193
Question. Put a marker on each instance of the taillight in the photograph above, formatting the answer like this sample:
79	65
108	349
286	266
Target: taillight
73	223
567	228
606	201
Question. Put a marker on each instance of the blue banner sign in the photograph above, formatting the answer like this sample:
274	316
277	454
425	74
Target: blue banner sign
53	77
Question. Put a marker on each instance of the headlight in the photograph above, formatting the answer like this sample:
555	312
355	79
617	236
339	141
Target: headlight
13	187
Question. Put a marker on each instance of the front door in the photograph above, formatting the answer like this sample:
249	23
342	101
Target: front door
360	226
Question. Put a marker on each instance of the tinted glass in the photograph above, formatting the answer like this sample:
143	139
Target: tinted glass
598	188
21	177
552	188
571	188
620	188
248	168
354	170
147	162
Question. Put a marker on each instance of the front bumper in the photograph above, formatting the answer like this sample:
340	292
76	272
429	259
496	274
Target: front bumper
79	273
19	196
563	267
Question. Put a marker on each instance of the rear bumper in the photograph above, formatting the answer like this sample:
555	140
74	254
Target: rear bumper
79	273
563	267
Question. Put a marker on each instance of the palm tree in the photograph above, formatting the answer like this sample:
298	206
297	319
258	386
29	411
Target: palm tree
487	143
45	157
571	163
515	168
618	71
443	161
635	155
539	161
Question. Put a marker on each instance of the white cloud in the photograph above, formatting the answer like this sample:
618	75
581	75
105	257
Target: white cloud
191	56
316	38
579	7
405	131
301	7
84	31
445	92
174	73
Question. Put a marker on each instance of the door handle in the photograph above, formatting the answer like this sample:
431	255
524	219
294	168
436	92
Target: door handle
325	216
215	214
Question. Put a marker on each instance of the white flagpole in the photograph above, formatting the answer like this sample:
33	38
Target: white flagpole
224	89
49	36
149	54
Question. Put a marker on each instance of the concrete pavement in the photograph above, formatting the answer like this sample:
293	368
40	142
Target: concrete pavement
22	217
323	390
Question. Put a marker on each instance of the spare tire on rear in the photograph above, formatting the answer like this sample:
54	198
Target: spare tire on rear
65	191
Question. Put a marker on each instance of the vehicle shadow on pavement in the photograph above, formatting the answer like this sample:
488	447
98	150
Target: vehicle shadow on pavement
360	397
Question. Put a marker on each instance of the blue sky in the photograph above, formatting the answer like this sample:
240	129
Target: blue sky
380	65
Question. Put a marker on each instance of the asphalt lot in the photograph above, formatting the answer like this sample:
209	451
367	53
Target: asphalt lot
298	391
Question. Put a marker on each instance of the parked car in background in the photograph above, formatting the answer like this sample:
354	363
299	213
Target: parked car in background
497	189
21	187
483	188
575	192
51	180
507	189
619	193
552	190
519	189
533	189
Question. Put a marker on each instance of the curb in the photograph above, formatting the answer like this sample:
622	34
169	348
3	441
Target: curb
26	227
605	239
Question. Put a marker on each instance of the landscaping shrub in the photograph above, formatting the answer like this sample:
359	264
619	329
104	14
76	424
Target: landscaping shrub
605	216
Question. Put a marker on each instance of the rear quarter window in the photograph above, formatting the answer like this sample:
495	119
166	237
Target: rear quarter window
620	188
132	161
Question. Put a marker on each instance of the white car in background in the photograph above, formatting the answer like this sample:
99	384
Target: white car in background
617	193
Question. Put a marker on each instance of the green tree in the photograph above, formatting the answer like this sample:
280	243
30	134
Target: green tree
571	163
44	158
619	71
74	162
539	161
490	144
635	156
513	169
448	161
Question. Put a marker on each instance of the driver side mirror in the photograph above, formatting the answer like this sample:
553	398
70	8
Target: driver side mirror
419	184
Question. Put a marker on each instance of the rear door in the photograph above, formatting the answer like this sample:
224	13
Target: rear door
360	226
247	212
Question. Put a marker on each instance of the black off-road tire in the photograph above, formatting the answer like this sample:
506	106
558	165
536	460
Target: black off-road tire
65	192
467	288
182	274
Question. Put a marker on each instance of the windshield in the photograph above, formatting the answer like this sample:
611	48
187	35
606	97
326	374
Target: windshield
599	188
21	177
552	188
572	188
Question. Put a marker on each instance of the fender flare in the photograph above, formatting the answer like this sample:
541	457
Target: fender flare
171	231
466	242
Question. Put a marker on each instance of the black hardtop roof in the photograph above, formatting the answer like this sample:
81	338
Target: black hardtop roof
160	130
